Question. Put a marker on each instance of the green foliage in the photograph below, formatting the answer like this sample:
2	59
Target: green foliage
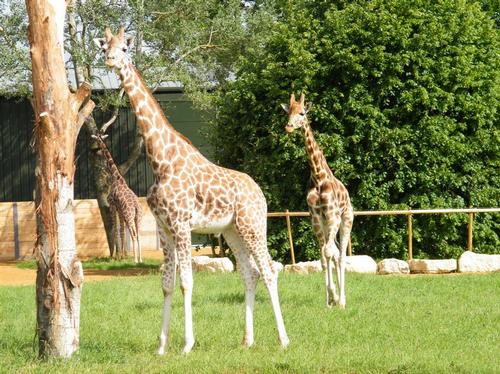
405	107
390	325
194	43
14	52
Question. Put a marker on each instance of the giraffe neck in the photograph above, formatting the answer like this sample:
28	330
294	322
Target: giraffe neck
317	161
115	172
161	140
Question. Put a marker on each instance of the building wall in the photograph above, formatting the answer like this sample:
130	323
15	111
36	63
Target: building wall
18	230
17	160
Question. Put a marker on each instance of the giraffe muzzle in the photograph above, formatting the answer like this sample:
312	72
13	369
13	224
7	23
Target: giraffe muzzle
289	128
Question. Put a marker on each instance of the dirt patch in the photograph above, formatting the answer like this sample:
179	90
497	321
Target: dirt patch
11	275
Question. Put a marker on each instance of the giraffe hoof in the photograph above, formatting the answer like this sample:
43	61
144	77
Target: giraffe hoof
187	348
160	351
284	341
247	343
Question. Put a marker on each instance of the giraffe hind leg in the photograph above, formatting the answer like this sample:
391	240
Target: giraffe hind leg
168	284
132	229
345	233
250	275
256	244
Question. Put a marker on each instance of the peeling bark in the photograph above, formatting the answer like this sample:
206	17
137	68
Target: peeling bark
59	115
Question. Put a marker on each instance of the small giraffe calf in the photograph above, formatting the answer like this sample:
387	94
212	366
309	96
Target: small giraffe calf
329	204
124	203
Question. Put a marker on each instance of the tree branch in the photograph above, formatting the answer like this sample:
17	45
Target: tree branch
84	113
114	116
207	45
134	154
81	95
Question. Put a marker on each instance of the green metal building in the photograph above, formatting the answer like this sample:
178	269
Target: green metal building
17	160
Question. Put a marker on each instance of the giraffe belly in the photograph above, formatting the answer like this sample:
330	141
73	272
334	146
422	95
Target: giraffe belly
204	225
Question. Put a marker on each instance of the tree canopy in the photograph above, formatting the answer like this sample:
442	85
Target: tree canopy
405	99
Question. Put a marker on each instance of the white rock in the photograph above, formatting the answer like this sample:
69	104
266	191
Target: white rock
305	267
470	262
278	266
393	266
212	264
432	266
360	264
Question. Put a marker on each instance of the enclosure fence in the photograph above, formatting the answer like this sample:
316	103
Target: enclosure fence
18	227
409	213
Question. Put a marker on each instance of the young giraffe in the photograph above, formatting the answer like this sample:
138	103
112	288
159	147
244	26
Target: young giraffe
329	204
190	194
122	201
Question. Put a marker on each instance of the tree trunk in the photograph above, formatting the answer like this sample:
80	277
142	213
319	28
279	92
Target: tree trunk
59	115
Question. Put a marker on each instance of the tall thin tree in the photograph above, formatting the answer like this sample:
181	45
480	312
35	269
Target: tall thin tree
59	115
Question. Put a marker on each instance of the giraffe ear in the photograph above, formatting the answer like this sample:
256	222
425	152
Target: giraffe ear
101	43
129	42
302	98
286	107
108	34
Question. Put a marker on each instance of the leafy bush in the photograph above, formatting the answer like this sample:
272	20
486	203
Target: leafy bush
405	107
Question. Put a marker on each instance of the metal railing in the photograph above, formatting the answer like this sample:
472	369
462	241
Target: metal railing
409	213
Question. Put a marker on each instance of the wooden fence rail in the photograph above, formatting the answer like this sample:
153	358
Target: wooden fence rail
18	227
409	213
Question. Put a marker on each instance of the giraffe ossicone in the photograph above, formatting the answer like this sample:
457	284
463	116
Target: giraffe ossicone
191	194
329	204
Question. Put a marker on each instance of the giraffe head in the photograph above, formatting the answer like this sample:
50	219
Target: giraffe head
297	113
115	47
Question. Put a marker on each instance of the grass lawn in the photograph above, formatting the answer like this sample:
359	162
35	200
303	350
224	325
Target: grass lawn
104	263
396	324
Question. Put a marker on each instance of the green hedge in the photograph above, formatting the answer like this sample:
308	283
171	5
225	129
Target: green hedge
405	101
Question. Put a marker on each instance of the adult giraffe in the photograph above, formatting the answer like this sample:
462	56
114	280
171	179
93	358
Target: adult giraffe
329	204
190	194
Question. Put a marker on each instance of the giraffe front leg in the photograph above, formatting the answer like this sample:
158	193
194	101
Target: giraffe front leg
182	238
332	255
320	236
168	284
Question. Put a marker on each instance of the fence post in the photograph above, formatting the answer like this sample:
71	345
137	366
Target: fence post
469	236
410	236
290	239
15	218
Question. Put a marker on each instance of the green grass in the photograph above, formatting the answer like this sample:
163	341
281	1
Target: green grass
104	263
410	324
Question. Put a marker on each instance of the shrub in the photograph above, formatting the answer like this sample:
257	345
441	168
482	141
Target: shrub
405	107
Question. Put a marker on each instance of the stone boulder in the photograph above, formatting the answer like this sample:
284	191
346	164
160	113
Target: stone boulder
305	267
278	266
432	266
212	264
470	262
360	264
354	264
393	266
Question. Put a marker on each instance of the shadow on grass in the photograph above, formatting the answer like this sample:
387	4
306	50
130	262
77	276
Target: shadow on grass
107	264
238	298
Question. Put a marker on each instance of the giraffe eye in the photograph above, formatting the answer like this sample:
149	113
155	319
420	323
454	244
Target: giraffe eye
302	114
124	49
